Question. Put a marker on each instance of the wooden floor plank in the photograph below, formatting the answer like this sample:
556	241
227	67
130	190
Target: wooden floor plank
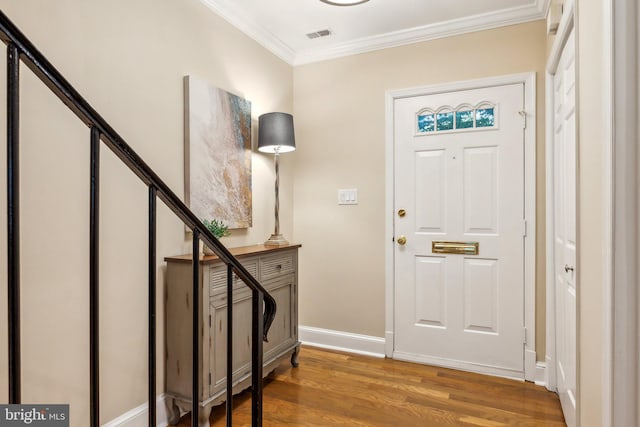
332	388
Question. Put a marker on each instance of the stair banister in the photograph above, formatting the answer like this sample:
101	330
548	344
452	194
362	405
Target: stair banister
20	49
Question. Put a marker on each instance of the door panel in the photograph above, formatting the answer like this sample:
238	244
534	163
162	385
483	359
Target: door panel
430	292
459	175
430	182
480	192
481	295
564	226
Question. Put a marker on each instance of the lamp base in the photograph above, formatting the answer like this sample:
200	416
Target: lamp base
276	240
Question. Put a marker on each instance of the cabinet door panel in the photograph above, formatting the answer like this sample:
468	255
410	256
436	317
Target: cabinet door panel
241	340
281	332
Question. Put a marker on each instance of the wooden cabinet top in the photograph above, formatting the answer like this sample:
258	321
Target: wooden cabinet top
239	252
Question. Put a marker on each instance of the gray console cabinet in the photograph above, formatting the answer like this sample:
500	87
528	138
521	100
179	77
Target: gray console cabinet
276	268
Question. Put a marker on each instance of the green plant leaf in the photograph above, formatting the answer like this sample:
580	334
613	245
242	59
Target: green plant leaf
216	227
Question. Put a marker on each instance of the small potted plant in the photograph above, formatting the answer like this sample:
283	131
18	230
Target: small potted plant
218	229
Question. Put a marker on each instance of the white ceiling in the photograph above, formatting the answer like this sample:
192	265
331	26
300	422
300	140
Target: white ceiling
281	25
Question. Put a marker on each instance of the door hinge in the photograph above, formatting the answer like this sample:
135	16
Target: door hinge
523	114
524	335
209	320
524	228
209	378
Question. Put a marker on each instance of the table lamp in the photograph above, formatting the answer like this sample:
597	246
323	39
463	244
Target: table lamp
275	135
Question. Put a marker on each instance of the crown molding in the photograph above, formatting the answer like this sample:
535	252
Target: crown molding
454	27
253	30
486	21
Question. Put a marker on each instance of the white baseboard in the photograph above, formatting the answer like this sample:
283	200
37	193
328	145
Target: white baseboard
388	344
549	375
529	365
138	417
541	375
342	341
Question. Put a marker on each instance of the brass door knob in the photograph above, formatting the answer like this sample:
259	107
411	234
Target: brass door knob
402	213
402	240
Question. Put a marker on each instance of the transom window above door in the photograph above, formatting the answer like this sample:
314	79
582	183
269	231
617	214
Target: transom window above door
465	117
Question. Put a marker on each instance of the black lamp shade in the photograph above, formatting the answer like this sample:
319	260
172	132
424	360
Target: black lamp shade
275	133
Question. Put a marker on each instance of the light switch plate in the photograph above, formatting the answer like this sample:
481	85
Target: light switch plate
348	196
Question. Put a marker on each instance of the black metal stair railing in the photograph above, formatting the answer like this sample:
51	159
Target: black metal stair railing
20	49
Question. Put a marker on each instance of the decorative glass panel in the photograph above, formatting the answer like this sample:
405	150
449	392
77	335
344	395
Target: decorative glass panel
485	117
464	119
426	123
444	121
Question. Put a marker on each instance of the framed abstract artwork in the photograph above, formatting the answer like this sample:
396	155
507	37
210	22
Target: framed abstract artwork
217	154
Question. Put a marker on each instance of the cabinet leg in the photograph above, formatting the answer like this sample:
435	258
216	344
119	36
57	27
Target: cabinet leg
294	357
173	412
203	417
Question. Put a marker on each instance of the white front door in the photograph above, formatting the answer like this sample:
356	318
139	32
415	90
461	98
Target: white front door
459	187
564	231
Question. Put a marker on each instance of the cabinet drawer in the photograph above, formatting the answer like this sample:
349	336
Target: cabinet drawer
218	275
276	265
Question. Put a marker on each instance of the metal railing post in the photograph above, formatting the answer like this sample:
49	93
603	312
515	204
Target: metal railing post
94	280
13	220
195	389
152	306
256	358
229	346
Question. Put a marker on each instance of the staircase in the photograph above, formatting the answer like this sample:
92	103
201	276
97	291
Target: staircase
21	50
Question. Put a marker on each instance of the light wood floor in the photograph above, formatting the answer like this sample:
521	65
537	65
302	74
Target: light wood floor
339	389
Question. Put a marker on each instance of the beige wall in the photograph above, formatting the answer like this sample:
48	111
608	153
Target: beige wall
591	134
128	59
339	107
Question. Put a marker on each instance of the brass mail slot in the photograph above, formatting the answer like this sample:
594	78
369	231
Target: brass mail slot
465	248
